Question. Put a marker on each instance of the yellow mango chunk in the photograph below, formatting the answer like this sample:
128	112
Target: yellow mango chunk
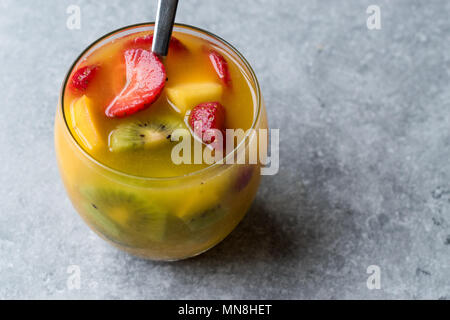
119	215
84	123
201	210
199	201
186	96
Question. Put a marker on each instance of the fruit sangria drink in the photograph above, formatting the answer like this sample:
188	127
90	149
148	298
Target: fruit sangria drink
123	111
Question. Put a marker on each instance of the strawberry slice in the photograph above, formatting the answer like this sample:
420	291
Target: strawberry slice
206	116
82	77
221	66
176	44
146	77
144	40
147	41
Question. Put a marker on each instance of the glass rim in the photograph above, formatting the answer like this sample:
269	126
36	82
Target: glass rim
187	175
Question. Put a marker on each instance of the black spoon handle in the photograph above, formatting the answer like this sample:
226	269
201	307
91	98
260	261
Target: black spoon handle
165	18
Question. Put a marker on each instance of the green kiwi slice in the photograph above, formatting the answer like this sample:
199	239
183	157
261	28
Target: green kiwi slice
206	218
144	135
125	218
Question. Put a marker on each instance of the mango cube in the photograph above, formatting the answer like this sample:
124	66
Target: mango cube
84	123
187	96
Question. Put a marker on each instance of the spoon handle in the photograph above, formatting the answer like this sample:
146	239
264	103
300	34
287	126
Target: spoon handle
165	18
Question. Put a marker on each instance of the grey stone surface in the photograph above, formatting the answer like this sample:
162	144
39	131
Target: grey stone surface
365	170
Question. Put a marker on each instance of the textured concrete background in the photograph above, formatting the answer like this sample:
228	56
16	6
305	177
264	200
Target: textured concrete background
365	170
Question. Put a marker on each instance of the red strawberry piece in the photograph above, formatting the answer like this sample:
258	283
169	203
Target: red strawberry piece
146	77
82	77
206	116
221	66
147	40
176	44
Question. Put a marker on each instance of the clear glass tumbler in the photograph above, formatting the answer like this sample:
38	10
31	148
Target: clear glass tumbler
223	191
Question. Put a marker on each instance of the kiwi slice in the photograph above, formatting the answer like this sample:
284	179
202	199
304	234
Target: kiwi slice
126	218
206	218
143	135
104	224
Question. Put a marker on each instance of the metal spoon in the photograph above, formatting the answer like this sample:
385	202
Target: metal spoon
165	18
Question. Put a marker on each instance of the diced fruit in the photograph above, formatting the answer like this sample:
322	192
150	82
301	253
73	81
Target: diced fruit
176	44
197	201
84	124
135	136
207	116
108	228
204	219
186	96
244	177
147	40
125	217
221	66
143	135
200	200
201	207
144	40
82	77
146	77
